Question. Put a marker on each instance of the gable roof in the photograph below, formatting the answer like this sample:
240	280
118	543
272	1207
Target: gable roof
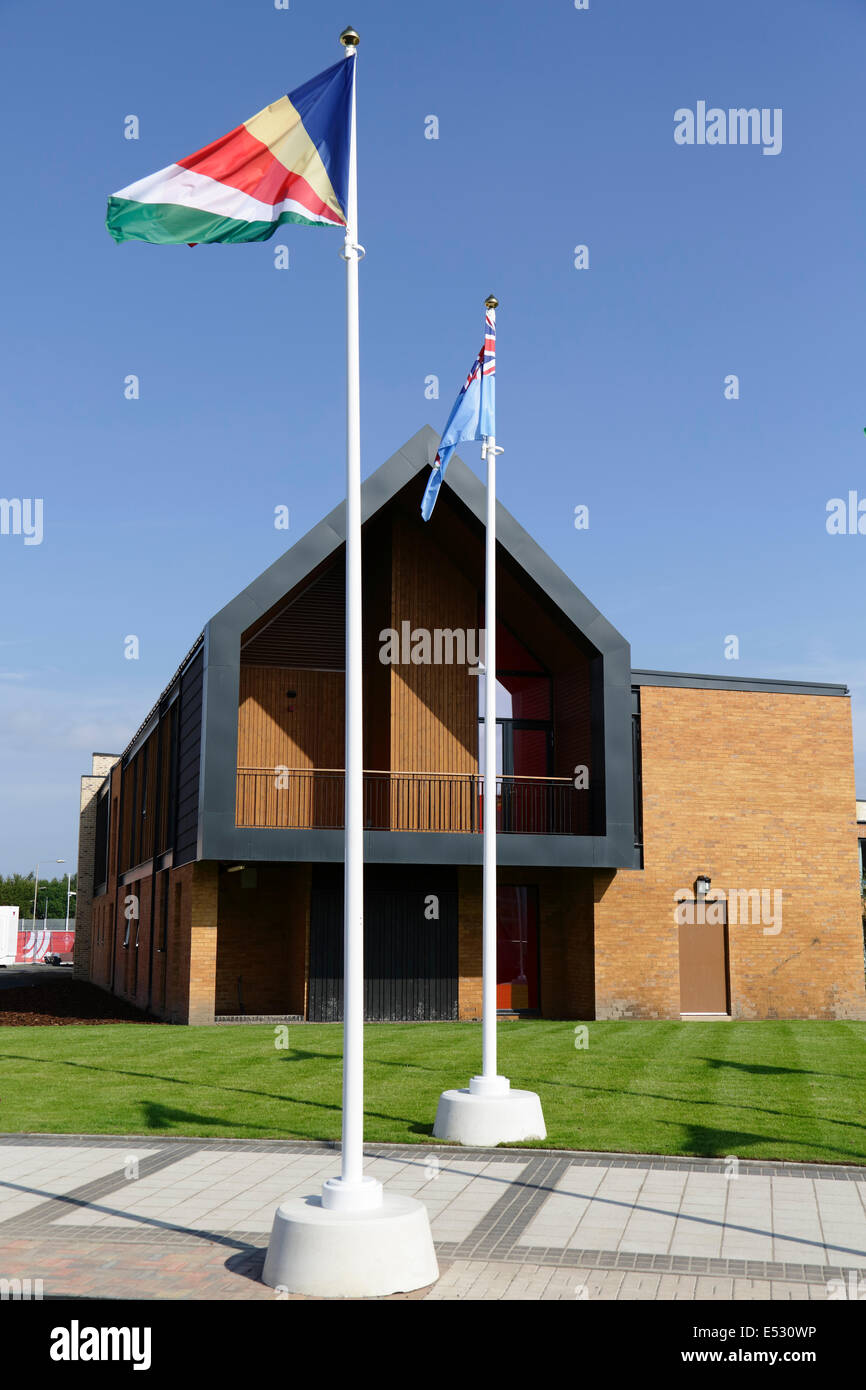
416	455
219	837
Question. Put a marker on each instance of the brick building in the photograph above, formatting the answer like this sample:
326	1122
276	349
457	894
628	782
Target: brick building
669	845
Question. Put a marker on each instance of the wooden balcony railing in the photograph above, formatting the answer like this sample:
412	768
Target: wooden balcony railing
313	798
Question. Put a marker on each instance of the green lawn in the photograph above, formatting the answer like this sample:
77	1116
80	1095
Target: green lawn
758	1090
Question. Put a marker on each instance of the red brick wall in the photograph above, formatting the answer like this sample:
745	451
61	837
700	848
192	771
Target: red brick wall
263	940
756	790
469	1003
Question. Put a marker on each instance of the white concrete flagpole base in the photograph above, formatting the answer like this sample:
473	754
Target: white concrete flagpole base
488	1113
350	1250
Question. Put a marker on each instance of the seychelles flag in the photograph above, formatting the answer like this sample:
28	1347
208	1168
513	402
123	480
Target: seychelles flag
289	163
473	416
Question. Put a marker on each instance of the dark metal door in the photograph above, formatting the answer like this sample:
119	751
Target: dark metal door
410	944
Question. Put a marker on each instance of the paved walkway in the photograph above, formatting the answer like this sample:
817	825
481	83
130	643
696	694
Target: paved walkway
190	1218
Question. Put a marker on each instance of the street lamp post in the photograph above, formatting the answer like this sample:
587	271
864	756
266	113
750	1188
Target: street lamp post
36	888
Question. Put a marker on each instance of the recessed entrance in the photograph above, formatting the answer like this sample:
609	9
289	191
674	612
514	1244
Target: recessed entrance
516	948
410	944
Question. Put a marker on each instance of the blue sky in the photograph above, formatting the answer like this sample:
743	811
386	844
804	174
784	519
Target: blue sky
707	515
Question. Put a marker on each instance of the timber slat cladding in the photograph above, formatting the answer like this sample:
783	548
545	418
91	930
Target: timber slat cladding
434	718
420	718
309	629
280	730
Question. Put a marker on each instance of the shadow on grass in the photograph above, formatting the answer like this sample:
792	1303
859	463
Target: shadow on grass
165	1117
425	1130
333	1106
713	1101
762	1069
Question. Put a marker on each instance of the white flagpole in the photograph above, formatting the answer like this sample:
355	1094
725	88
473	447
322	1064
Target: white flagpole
489	1112
359	1241
489	1075
352	1190
488	888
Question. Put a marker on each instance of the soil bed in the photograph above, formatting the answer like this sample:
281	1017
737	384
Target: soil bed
65	1001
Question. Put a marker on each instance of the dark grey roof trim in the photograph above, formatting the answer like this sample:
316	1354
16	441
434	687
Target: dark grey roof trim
772	687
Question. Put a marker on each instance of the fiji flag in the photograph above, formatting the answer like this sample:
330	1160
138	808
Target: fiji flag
473	416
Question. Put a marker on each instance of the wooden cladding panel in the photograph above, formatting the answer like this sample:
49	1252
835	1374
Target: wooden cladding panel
278	730
139	801
301	731
309	630
434	708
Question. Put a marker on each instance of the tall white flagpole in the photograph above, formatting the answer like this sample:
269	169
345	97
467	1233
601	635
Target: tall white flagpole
352	1190
488	887
488	1111
358	1241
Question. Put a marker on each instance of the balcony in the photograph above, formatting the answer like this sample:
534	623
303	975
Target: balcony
313	798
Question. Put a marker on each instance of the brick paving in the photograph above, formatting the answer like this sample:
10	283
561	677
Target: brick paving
155	1218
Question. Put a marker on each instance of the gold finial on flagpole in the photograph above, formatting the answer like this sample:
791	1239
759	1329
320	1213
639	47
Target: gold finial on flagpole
350	38
491	302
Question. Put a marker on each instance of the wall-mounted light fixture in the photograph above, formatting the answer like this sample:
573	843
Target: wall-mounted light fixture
234	868
702	885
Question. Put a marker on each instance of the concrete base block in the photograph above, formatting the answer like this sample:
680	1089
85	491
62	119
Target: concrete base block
351	1254
483	1121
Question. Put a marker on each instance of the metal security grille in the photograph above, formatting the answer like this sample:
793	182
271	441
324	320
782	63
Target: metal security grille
410	958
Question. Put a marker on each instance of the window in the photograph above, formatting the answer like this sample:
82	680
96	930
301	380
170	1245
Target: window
100	855
524	711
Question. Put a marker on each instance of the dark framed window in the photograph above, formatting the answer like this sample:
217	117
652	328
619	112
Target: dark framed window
524	711
100	853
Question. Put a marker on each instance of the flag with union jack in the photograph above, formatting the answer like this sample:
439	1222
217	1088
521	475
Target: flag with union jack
473	416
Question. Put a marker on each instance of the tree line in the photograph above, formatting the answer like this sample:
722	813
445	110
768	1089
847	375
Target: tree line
16	890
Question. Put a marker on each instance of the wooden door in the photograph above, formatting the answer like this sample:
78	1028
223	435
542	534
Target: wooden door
704	985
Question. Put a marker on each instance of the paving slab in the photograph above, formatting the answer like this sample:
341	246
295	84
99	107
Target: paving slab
192	1219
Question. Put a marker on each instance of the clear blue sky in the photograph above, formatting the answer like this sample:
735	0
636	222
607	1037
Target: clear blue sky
707	516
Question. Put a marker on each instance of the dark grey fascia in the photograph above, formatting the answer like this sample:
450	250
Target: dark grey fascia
772	687
228	842
220	838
